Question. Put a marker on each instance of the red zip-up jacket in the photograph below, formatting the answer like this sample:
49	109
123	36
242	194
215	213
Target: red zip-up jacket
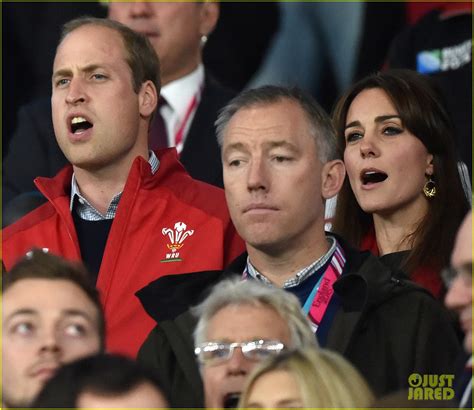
167	223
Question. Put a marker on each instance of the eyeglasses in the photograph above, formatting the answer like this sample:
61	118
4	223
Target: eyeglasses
211	353
449	274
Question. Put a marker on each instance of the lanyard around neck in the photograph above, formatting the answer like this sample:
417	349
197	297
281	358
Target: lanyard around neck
318	300
179	136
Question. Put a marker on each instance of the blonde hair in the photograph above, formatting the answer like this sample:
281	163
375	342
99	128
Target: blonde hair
325	379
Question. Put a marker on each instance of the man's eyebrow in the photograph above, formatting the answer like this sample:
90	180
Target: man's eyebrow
77	312
19	312
281	143
236	146
64	72
239	146
379	119
65	313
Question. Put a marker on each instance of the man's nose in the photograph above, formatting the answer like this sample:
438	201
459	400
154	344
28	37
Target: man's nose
257	177
140	9
458	295
50	342
238	364
76	92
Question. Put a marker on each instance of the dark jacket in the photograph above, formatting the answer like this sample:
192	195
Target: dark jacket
34	151
387	326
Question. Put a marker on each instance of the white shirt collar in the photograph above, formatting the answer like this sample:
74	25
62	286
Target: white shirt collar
179	93
87	211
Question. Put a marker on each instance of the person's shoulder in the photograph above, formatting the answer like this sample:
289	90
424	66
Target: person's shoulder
170	296
365	274
184	188
28	222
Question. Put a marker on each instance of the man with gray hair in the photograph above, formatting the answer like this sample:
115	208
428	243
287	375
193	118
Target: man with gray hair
259	320
281	164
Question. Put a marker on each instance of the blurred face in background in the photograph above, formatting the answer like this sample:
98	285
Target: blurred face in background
46	323
459	296
224	381
173	28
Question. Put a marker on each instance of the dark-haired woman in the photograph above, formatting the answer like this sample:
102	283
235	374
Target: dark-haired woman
403	198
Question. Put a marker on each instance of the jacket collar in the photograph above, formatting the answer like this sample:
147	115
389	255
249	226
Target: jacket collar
365	284
169	169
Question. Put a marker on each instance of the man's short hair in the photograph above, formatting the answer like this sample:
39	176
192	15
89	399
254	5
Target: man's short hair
232	292
38	264
104	375
319	122
141	56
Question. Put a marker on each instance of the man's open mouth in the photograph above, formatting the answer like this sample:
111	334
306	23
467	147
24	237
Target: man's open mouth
80	124
231	400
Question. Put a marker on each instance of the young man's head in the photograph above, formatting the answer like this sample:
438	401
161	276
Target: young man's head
175	29
240	323
105	88
51	315
102	381
459	280
280	164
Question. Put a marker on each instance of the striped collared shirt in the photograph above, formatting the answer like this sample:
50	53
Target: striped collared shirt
301	275
87	212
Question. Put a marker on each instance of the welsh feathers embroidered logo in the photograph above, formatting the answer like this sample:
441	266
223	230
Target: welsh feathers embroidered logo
176	237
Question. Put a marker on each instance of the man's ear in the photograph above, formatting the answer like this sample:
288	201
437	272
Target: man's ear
147	99
332	178
209	14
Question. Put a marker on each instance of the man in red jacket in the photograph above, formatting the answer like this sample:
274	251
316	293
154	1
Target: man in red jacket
132	215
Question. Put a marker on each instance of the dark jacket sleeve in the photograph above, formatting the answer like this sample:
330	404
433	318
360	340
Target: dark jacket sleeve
169	352
437	345
411	334
33	150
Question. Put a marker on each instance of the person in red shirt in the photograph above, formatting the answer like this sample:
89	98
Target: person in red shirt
131	214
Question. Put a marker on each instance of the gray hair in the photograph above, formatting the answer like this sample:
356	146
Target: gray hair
233	292
319	122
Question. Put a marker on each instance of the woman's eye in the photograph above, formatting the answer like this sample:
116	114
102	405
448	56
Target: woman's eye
392	131
353	136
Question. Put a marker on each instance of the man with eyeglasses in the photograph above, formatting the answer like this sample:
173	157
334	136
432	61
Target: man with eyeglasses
458	280
240	324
